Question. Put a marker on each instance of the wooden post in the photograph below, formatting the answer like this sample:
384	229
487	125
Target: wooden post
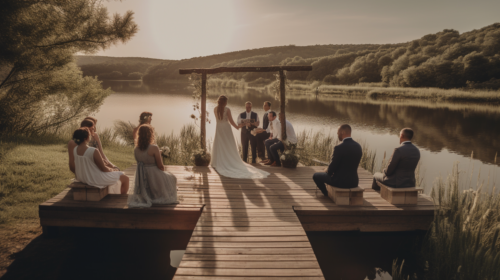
282	106
203	119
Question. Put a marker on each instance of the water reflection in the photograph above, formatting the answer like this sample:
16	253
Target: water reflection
361	256
445	132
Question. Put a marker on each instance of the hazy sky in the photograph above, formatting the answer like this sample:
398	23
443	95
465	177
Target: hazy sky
180	29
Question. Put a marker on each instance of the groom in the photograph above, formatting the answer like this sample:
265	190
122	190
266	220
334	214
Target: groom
246	129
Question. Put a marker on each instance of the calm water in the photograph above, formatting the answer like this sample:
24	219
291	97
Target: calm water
445	134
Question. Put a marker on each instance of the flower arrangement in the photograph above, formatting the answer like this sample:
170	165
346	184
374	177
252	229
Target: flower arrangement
165	151
289	158
201	157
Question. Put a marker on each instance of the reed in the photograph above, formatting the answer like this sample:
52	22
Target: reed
320	146
463	240
413	93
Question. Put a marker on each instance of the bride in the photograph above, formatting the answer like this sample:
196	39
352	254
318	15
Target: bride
225	157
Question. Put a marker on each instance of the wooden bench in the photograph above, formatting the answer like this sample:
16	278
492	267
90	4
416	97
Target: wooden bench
84	192
408	196
353	196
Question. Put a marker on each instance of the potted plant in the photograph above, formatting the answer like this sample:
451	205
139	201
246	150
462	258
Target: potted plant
289	158
201	158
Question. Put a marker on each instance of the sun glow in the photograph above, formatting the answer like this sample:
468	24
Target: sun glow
200	25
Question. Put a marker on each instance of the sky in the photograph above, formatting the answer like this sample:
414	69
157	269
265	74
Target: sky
179	29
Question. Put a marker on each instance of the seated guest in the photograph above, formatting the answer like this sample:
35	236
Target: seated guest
153	185
342	172
95	143
263	133
273	144
400	173
144	118
89	165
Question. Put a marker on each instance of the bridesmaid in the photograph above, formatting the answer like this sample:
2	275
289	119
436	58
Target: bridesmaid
95	143
89	165
144	118
153	185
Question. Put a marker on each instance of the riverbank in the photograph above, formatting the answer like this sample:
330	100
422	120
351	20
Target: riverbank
377	90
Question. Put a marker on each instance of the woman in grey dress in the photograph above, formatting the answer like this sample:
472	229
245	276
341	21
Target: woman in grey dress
153	185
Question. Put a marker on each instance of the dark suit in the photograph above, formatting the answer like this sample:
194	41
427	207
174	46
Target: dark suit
246	136
400	173
343	169
262	137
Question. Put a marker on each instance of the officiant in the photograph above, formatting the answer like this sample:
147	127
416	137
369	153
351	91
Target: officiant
247	121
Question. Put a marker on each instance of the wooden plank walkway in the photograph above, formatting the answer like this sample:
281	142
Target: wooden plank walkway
244	229
255	229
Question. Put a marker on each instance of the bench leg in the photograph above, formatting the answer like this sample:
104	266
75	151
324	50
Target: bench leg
50	231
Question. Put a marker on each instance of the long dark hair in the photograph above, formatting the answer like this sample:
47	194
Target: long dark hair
145	136
221	104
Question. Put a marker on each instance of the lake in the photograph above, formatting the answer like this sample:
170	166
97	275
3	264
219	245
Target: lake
445	132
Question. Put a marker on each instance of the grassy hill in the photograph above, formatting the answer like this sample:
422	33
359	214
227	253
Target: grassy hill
446	59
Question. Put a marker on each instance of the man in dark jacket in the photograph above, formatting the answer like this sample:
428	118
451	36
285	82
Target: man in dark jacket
400	173
343	169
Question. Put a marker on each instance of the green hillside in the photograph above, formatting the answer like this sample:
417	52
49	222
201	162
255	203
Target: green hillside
446	59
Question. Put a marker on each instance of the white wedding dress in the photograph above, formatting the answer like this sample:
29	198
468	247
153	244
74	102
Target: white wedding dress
225	157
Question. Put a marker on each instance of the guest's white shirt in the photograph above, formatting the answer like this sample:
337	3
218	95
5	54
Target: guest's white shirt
248	116
290	132
271	127
405	142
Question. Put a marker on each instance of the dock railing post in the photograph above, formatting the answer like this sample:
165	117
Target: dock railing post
203	132
282	105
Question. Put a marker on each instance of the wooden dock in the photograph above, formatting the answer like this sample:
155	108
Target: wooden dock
247	229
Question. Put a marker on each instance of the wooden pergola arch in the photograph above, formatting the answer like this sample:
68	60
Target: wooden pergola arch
205	71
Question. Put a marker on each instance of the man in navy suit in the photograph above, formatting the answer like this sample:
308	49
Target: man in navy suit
343	169
400	173
246	129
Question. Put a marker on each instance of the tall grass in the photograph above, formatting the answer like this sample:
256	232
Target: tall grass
463	240
319	146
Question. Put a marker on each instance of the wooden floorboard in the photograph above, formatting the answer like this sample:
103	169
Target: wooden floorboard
244	229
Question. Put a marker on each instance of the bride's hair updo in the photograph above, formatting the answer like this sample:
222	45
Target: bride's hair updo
145	136
80	135
145	117
221	104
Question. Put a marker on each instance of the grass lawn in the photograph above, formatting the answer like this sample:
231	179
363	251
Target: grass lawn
31	172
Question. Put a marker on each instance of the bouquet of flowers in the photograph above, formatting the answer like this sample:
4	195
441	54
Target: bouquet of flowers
289	158
165	151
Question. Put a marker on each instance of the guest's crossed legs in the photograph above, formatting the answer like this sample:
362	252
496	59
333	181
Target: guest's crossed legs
272	147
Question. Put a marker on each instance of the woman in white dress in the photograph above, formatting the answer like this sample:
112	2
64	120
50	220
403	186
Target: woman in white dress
90	167
225	157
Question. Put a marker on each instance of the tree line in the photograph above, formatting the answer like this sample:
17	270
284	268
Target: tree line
446	59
